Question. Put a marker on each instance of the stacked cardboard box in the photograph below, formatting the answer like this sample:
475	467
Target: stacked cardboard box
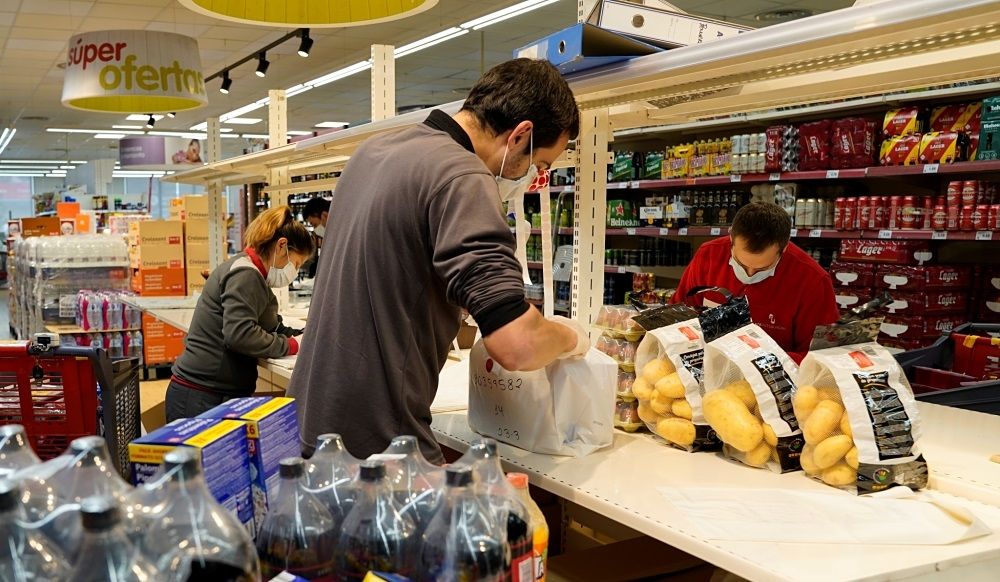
162	343
156	253
193	211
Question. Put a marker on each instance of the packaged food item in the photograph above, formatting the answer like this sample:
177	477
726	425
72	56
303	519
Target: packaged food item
814	145
721	164
920	278
749	382
944	147
781	150
616	321
625	381
852	275
919	327
963	117
901	252
627	415
849	299
852	143
900	150
928	302
859	419
621	214
901	122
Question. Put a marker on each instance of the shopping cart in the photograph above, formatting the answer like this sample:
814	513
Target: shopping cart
61	393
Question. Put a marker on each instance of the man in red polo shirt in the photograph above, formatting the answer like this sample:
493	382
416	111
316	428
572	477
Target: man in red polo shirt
789	293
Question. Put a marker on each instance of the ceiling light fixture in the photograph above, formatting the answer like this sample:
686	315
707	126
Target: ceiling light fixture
262	65
143	116
6	136
109	135
150	122
81	130
332	124
126	127
504	14
429	41
242	120
306	45
227	82
172	115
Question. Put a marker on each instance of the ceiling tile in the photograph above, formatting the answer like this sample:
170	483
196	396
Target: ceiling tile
74	8
46	21
53	46
41	34
7	18
93	24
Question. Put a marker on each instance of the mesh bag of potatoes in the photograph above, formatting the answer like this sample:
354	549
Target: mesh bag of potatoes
668	383
859	420
749	382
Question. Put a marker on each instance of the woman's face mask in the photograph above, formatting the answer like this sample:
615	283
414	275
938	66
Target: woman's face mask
284	276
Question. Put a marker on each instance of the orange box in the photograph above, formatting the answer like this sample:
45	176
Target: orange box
67	209
161	350
157	329
83	224
40	226
159	282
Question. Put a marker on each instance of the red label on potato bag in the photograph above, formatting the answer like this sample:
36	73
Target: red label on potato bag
688	333
749	341
862	360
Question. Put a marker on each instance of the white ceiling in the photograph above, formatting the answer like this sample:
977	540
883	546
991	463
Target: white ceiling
34	33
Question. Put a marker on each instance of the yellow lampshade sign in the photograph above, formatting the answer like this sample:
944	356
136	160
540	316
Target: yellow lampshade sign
133	71
310	13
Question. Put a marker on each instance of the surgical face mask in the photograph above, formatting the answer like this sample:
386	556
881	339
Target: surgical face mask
284	276
757	277
319	231
510	188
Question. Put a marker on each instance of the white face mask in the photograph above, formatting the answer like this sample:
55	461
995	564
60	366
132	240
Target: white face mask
510	188
284	276
319	231
757	277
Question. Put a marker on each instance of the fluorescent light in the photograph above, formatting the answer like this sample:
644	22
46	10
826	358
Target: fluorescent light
27	168
242	120
24	174
53	175
143	117
184	134
295	90
340	74
57	162
109	135
225	129
504	14
126	127
78	161
6	136
238	112
290	132
203	126
122	132
332	124
67	167
429	41
255	135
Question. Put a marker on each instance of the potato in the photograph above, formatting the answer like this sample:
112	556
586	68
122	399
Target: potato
642	389
769	437
647	414
829	452
845	425
656	369
661	404
676	430
852	458
830	394
759	456
804	401
745	392
822	422
806	460
728	415
670	386
839	475
681	408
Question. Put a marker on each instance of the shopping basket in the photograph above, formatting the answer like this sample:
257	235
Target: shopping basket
62	393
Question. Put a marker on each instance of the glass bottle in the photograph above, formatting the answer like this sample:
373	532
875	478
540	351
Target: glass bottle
330	475
26	555
375	536
462	541
415	481
15	452
178	523
297	534
107	553
539	528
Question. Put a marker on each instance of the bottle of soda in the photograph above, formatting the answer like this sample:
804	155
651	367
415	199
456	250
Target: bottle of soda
26	555
297	534
462	542
507	509
330	475
181	527
375	536
15	452
107	553
539	528
415	482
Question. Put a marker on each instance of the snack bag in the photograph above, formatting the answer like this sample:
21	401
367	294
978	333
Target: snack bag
749	381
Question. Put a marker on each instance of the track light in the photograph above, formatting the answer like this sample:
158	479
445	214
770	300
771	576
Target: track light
262	64
151	121
226	83
306	45
172	115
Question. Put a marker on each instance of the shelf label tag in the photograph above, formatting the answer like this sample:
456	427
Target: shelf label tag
930	168
690	182
621	270
716	231
984	235
793	233
774	176
630	231
885	234
832	174
682	231
815	233
735	178
664	231
939	235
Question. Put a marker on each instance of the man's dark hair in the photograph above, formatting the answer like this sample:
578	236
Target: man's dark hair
316	207
762	224
525	90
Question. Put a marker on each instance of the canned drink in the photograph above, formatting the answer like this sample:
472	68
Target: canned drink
895	212
994	217
838	213
965	221
954	195
970	192
876	213
850	213
927	213
909	213
980	217
864	212
954	217
939	220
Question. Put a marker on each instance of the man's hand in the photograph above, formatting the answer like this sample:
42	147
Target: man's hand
582	341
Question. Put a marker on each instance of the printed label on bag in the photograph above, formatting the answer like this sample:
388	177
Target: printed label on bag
890	423
694	362
781	386
873	478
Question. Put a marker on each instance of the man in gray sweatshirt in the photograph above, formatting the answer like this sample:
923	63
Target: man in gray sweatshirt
417	232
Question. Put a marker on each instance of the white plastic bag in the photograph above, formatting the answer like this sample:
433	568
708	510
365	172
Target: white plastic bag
857	410
566	408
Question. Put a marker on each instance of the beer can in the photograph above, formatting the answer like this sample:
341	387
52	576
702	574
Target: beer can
970	192
927	213
954	217
965	221
994	217
954	195
895	217
939	219
864	211
909	219
876	217
980	216
838	213
850	213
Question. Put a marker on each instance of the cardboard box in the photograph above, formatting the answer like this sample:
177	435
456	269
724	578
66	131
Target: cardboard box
163	282
157	257
852	275
900	252
67	209
919	328
933	302
918	279
225	459
196	231
848	299
40	226
964	117
903	121
162	343
942	147
191	208
272	433
158	233
988	144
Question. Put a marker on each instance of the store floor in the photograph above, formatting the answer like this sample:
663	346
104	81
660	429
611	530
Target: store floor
151	396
